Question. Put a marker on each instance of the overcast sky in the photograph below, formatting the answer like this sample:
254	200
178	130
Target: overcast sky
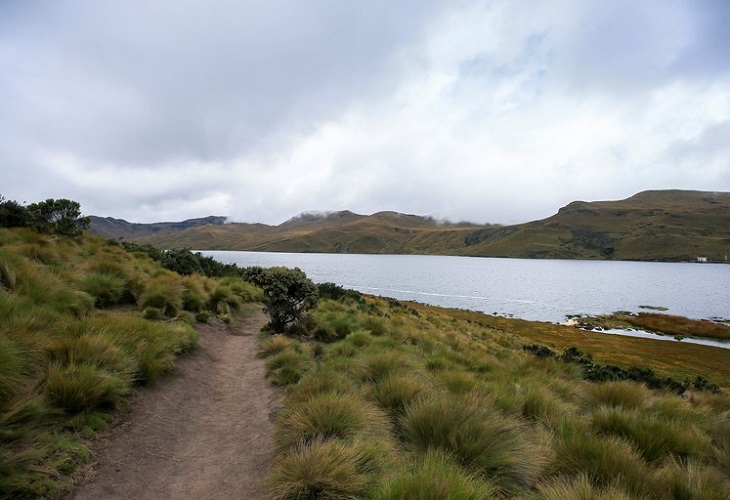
487	111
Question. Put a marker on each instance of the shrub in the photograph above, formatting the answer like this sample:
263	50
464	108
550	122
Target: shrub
60	216
289	294
434	477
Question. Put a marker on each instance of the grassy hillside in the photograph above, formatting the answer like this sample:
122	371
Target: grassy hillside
653	225
391	400
82	323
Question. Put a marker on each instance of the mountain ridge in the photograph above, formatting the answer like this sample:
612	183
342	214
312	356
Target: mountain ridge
664	225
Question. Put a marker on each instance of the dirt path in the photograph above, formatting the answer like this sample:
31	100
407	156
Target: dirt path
204	433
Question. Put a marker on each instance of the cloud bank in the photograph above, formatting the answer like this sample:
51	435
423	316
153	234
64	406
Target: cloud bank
488	111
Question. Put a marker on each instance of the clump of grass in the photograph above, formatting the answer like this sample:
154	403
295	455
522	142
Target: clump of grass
90	347
378	365
331	416
14	367
691	480
165	294
606	460
622	394
434	477
78	387
223	300
482	440
580	488
321	381
396	392
287	367
359	338
107	289
329	469
273	344
654	438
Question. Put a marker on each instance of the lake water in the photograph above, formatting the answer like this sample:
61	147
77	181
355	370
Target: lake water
541	290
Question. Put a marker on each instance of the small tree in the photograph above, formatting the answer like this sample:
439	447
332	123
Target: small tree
289	294
60	216
13	214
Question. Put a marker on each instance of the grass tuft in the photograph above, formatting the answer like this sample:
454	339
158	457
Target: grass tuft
331	416
436	476
328	470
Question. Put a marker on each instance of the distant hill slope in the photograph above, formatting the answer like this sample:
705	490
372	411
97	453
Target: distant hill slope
667	225
118	228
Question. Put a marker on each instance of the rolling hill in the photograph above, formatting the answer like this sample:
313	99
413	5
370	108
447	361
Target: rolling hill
669	225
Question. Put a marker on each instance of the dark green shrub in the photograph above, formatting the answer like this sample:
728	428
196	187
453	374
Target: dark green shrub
289	294
60	216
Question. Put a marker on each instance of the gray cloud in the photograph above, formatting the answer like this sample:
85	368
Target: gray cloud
489	111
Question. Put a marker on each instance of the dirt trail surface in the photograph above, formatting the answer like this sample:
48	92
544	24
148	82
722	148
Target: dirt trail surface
202	433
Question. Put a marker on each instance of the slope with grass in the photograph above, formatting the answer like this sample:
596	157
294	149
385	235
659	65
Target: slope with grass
82	324
392	400
667	225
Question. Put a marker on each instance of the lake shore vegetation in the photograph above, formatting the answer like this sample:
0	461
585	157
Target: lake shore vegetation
390	399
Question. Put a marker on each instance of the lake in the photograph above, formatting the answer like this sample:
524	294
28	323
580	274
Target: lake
541	290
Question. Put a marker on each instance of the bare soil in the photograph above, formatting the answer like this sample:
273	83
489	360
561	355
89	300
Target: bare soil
205	432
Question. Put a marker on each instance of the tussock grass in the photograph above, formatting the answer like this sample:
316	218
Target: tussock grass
106	288
331	416
395	393
78	387
321	381
287	367
378	365
482	440
165	294
466	413
606	460
436	476
653	437
329	470
691	480
580	488
622	394
273	344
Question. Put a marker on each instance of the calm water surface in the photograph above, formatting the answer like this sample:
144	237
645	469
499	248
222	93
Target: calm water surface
542	290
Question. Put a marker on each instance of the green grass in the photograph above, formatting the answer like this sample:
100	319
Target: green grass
74	344
466	413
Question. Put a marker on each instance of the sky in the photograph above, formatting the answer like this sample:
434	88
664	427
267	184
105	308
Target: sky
495	111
